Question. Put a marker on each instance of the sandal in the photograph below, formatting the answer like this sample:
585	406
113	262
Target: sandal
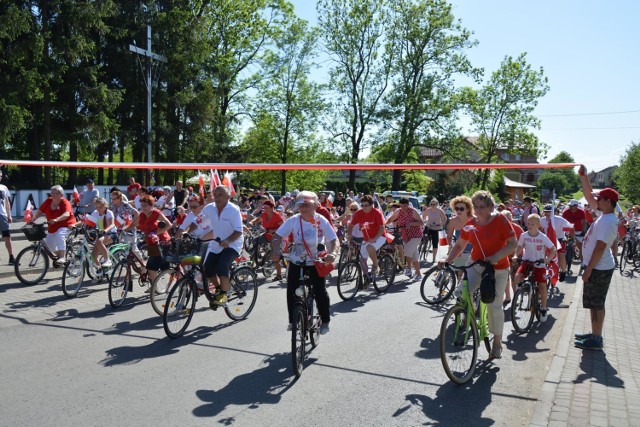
277	278
496	352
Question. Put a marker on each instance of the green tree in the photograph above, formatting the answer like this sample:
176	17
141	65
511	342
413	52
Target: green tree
354	36
501	112
627	176
421	109
552	180
572	179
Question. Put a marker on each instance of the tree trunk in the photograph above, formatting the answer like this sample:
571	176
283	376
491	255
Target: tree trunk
396	179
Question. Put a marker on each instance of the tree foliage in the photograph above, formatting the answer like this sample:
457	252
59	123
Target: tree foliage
627	176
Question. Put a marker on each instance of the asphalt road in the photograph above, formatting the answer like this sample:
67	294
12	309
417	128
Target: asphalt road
80	363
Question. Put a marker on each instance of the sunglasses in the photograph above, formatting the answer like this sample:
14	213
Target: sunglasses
353	210
461	208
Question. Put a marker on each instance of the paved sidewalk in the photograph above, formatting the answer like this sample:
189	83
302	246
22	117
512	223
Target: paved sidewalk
598	388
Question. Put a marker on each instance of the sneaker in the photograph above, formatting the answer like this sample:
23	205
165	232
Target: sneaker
106	263
544	315
277	278
58	263
407	272
12	260
289	327
324	329
583	336
417	278
220	299
592	343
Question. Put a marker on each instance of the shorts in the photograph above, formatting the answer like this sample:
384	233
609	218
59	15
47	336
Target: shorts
377	244
113	236
4	226
57	241
595	289
411	248
156	263
539	273
563	247
219	264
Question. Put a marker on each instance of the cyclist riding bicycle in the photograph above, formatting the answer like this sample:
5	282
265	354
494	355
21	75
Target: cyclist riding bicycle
410	225
308	229
102	218
126	218
270	220
149	223
59	214
535	246
371	224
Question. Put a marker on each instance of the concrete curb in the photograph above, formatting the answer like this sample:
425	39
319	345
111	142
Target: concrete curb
542	411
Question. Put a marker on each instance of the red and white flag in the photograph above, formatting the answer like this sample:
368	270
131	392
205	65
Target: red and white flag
119	222
91	220
215	179
226	181
28	212
201	183
76	196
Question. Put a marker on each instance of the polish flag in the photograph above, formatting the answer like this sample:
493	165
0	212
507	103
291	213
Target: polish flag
119	222
91	220
215	179
28	212
76	196
226	181
201	183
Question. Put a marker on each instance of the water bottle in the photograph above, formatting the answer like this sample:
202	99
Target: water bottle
198	279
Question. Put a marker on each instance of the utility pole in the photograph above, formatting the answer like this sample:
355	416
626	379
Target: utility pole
148	81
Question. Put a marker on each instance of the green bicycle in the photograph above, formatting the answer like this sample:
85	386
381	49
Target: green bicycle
463	327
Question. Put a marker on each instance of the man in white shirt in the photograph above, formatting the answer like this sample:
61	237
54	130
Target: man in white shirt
598	259
225	220
5	219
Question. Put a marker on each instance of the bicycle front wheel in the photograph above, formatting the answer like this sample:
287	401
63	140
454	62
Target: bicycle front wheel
242	293
179	308
387	274
522	308
73	276
119	283
160	289
31	265
437	285
349	279
298	338
458	345
624	256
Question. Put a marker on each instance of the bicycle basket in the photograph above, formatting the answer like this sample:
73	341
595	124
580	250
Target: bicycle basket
34	232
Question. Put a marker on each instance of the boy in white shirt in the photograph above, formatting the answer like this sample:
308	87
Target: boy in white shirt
536	246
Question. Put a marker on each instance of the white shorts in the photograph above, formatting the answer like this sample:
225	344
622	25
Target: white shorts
57	241
377	244
411	248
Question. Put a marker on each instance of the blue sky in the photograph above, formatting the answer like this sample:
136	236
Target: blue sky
590	53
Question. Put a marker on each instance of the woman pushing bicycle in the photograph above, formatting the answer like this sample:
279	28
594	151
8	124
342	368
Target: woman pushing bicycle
493	241
308	229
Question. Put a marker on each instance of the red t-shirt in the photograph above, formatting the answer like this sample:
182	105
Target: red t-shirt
575	218
273	223
50	214
325	213
149	224
132	186
517	229
488	239
370	223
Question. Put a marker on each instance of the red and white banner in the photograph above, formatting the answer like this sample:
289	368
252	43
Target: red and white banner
76	196
28	212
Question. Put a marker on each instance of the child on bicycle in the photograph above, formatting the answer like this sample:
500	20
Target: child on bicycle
533	246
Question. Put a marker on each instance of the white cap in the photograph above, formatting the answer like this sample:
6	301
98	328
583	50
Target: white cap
574	202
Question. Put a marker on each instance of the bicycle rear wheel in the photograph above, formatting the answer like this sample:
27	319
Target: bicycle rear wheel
119	283
425	246
624	256
242	293
298	338
160	288
178	311
437	285
522	308
31	265
73	276
458	345
349	279
388	274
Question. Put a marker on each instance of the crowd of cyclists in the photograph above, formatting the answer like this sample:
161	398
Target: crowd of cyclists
514	235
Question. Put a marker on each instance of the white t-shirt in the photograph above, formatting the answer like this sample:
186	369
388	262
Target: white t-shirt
319	231
560	225
605	228
100	219
167	211
223	225
4	196
202	227
535	247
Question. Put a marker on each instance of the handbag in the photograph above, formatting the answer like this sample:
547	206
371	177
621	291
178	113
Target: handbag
322	268
488	278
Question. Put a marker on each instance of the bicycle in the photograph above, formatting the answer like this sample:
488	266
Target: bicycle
121	280
181	301
306	320
438	284
629	253
81	262
526	300
463	327
32	263
350	278
395	250
425	247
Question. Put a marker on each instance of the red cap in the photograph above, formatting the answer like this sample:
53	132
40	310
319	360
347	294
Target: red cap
608	193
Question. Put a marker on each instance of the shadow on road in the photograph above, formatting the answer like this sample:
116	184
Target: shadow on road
458	404
526	344
595	366
264	386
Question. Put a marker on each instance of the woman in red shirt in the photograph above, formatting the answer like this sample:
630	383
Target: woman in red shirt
493	240
59	214
271	220
148	223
